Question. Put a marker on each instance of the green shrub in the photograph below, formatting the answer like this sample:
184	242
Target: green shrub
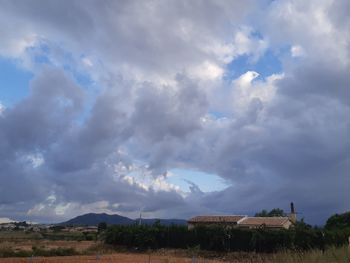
216	238
54	252
9	252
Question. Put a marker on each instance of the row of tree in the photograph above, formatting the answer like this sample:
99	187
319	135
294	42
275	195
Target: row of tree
302	237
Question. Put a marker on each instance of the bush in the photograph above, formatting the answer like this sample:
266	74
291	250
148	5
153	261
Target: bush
9	252
216	238
54	252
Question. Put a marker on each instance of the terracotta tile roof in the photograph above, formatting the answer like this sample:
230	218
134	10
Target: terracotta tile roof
216	219
267	221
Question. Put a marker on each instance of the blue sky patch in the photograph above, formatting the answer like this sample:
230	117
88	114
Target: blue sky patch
205	181
267	65
14	82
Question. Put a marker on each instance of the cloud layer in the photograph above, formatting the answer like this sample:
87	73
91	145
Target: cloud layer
125	91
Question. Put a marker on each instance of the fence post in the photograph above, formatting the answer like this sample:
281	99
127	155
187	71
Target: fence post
193	259
149	258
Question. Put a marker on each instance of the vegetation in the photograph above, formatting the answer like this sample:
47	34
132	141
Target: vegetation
216	238
7	235
273	212
9	252
338	221
331	255
102	226
313	256
77	236
302	243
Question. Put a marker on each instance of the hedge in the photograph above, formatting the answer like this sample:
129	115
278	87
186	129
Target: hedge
223	239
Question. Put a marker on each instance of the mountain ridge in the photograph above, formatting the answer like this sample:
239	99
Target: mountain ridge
93	219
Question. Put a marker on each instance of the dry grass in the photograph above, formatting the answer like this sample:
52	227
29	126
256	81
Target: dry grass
27	245
120	257
333	255
109	254
18	235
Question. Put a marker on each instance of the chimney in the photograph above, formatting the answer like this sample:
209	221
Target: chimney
140	223
293	214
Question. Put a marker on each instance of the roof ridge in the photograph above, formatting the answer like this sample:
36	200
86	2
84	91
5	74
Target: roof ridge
279	217
221	215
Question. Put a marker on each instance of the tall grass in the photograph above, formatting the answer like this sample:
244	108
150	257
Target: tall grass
332	255
54	252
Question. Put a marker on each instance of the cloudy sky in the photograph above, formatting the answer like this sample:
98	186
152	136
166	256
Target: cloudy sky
174	107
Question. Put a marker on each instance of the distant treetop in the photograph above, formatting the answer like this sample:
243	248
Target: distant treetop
273	213
339	221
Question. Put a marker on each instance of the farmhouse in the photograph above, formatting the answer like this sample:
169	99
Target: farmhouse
241	221
223	220
266	222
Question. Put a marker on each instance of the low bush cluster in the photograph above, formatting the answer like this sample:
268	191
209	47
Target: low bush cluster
9	252
54	252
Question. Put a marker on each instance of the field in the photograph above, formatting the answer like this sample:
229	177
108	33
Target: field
79	246
115	257
125	258
23	245
330	256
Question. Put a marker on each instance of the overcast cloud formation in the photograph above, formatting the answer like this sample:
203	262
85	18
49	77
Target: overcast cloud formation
124	92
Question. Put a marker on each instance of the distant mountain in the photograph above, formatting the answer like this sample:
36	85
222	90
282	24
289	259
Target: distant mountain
92	219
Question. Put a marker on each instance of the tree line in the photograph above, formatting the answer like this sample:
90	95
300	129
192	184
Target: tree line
217	238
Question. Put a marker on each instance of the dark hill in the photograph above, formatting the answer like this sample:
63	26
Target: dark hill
94	219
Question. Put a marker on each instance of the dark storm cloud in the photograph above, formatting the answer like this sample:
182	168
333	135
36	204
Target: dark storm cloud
94	139
29	128
280	141
170	112
154	36
40	118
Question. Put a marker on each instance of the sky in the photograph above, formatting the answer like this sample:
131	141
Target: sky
174	108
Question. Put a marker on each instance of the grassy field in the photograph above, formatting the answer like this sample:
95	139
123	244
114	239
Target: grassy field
19	235
116	257
340	255
28	245
24	235
19	246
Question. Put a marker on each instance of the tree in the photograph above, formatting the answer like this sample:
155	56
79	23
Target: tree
57	228
275	212
263	213
102	226
338	221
